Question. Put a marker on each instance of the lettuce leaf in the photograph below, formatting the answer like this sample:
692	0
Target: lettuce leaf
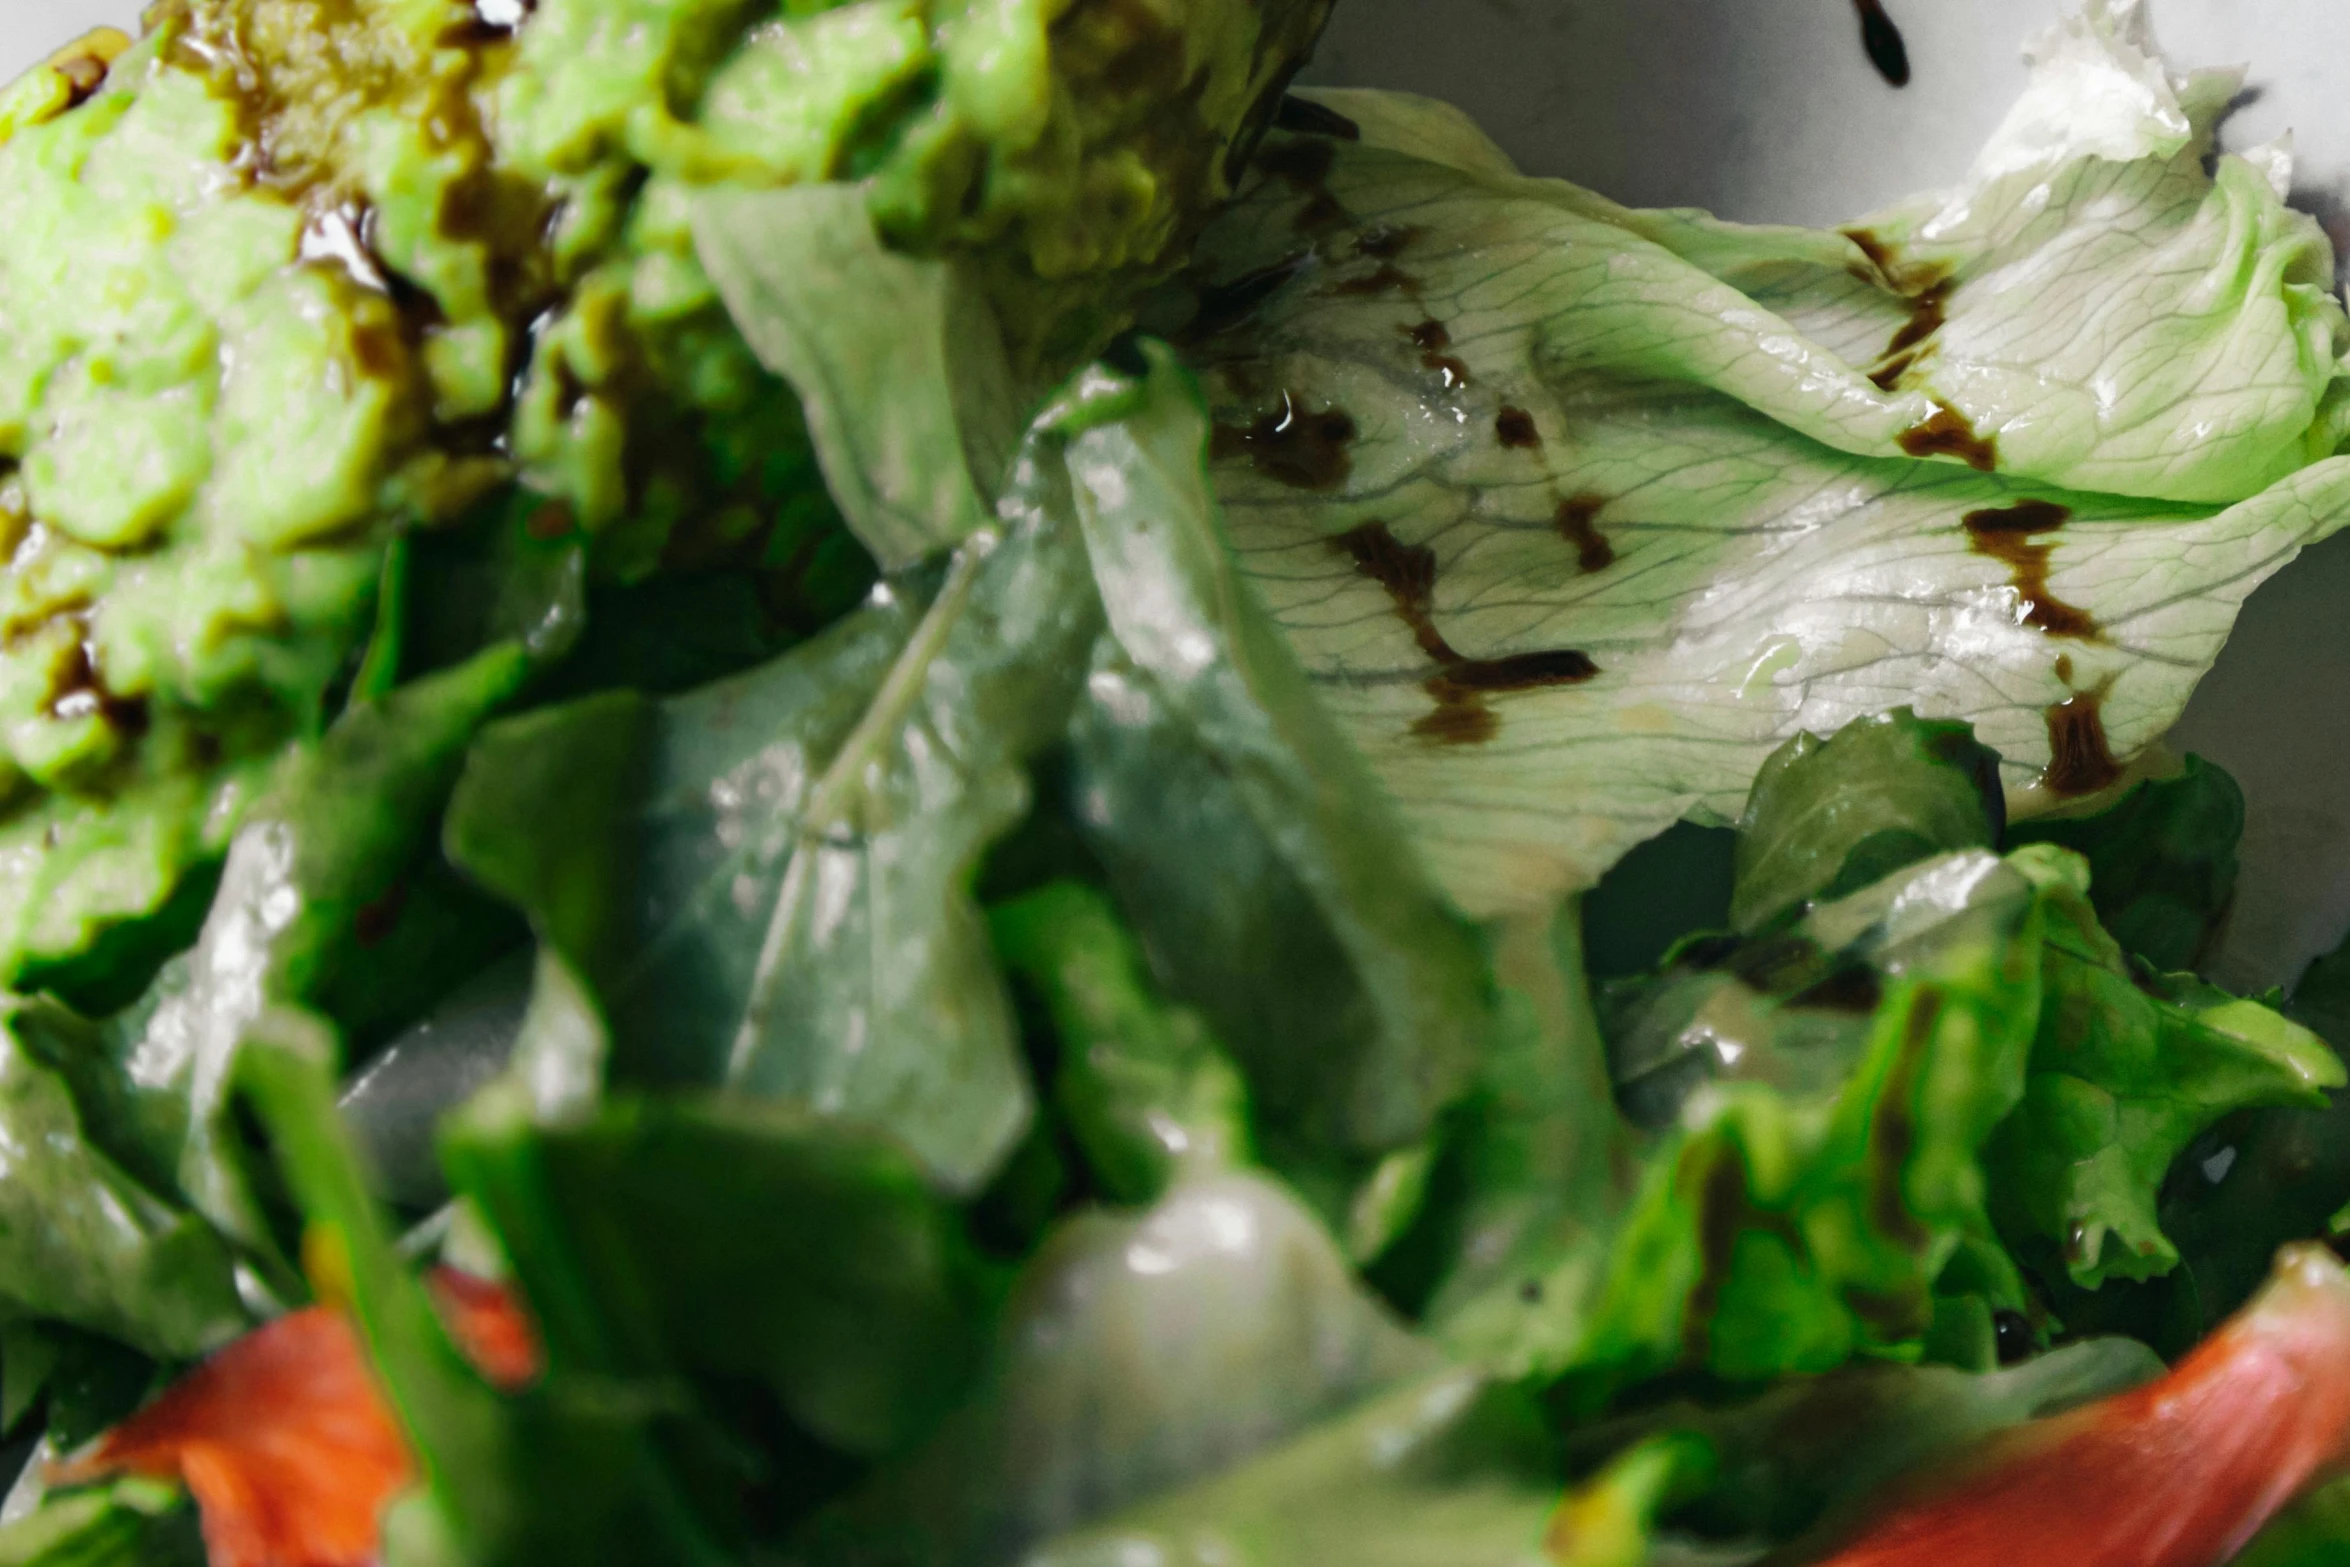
1186	619
1829	817
82	1239
1146	1091
1733	1481
1447	1471
2162	860
1137	1354
909	395
1570	532
2127	1068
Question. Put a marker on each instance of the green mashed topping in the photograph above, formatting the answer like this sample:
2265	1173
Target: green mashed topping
289	279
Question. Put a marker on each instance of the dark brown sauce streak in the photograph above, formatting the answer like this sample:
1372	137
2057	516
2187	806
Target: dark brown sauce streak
1946	433
1893	1131
2005	534
1724	1213
1408	573
1927	313
1883	43
2080	761
1879	253
1856	990
1431	339
1305	117
1515	429
84	74
1223	306
78	692
1301	447
1578	523
1304	164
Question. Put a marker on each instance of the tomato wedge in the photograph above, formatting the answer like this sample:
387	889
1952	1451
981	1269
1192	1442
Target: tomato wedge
284	1439
2178	1473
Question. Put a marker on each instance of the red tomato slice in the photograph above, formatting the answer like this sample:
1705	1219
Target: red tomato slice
284	1439
2178	1473
488	1323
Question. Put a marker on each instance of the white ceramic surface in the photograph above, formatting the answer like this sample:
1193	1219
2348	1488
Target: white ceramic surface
1767	110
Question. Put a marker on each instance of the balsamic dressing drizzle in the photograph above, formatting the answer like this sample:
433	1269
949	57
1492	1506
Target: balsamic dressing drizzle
1883	43
1461	684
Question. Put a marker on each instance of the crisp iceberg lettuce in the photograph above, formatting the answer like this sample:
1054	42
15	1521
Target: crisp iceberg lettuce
1573	512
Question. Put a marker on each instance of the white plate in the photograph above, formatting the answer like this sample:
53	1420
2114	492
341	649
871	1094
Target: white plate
1767	110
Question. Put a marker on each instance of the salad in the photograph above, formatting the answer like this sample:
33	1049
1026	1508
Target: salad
896	784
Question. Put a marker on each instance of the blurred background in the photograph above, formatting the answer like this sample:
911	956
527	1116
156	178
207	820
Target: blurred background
1768	110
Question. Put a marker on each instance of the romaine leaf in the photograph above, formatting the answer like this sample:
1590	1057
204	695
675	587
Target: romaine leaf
1137	1353
1828	817
898	360
2162	860
784	906
1146	1090
1800	1210
1571	533
1185	618
1446	1471
579	1467
2126	1070
331	844
1534	1175
729	1238
82	1240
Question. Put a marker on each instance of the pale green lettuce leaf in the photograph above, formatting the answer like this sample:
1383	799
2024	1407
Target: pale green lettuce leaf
898	360
1137	1354
2114	316
1448	1471
1558	522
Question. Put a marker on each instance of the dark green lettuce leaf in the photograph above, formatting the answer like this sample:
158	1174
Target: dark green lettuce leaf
1673	886
1535	1171
784	906
300	901
730	1238
132	1523
2126	1069
1137	1353
1828	817
2162	860
1193	631
584	1466
1731	1482
1145	1089
82	1239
